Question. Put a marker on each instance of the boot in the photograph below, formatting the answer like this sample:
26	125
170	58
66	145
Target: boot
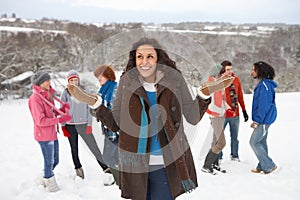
79	172
105	168
108	180
115	173
216	161
217	166
51	184
40	180
208	163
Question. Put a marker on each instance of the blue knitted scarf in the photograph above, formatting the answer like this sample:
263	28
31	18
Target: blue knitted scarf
142	143
107	91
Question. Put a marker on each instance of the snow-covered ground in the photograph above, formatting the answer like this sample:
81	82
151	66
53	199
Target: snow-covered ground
21	161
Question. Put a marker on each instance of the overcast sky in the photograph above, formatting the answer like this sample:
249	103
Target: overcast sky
157	11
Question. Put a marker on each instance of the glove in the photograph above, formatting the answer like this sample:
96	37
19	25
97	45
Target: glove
65	106
64	118
88	130
229	113
203	94
65	131
245	115
97	103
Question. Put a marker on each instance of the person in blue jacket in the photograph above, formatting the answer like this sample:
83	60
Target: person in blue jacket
264	113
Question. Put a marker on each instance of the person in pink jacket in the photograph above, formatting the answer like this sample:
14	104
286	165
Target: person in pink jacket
46	118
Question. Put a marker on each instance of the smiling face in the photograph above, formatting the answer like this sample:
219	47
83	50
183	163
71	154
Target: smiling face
228	70
74	81
46	85
146	62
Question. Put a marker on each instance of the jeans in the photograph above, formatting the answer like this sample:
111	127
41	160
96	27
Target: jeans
234	123
258	143
158	187
50	152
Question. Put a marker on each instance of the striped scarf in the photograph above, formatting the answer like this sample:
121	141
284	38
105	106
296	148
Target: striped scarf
233	97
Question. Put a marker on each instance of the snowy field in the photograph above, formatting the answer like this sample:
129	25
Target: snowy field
21	161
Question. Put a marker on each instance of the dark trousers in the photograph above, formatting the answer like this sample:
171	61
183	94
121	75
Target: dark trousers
90	141
158	187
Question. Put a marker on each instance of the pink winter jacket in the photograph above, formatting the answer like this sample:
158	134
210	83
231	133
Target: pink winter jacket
44	119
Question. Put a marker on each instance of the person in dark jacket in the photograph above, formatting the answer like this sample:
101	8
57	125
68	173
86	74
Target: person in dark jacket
155	159
264	113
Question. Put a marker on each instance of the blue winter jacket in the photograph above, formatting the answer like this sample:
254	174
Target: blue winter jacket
263	106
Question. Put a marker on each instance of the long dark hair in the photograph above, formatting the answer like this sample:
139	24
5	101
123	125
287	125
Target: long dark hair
162	56
264	70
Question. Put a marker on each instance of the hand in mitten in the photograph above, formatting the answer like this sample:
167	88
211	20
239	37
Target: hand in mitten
210	87
202	94
78	93
88	130
97	103
245	115
65	107
64	118
65	131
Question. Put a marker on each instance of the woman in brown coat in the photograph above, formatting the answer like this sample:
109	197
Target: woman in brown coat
155	160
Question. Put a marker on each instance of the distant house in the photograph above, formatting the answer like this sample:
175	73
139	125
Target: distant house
18	81
17	87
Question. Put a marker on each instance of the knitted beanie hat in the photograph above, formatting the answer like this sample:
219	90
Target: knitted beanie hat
40	77
215	70
72	74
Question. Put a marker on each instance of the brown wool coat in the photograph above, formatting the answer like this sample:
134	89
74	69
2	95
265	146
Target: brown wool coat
174	100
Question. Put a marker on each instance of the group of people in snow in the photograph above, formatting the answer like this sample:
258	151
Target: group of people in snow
146	147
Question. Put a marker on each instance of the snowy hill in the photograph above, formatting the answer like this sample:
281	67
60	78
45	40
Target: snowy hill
62	45
21	161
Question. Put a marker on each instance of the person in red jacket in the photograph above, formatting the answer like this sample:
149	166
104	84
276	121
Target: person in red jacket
45	119
234	98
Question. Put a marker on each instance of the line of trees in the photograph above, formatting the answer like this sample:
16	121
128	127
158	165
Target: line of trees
60	46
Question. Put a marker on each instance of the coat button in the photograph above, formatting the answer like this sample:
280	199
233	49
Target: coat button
173	108
177	124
